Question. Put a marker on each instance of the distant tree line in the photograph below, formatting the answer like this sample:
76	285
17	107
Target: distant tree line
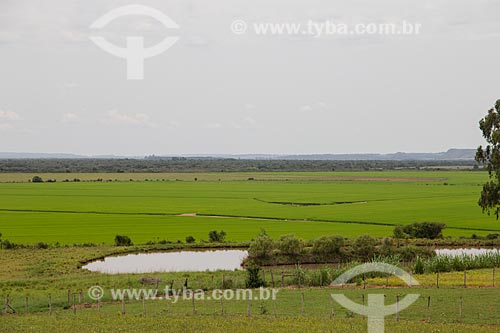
212	165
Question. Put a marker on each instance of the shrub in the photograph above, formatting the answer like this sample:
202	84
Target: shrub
291	245
8	245
261	247
37	179
327	246
41	245
190	239
123	241
217	237
253	279
430	230
364	246
399	232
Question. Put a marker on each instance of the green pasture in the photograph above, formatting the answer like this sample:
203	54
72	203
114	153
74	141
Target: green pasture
306	204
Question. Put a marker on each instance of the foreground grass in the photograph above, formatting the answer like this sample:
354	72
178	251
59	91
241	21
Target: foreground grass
38	274
91	322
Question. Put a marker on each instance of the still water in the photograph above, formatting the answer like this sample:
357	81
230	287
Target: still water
465	252
181	261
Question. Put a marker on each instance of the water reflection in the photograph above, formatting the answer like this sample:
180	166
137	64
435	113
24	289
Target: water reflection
465	252
182	261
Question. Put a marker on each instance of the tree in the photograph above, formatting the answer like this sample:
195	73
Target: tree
490	155
261	247
364	246
429	230
190	239
121	240
217	237
291	245
327	246
37	179
253	279
399	233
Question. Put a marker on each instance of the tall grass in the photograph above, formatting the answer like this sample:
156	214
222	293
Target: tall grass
445	263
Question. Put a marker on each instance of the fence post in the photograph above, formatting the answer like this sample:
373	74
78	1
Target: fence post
144	306
249	307
222	283
167	299
332	311
303	304
69	297
460	311
264	276
411	278
363	304
282	279
298	277
437	279
192	302
493	278
221	306
50	305
6	309
397	308
74	304
274	306
272	277
27	309
364	280
123	305
428	315
80	297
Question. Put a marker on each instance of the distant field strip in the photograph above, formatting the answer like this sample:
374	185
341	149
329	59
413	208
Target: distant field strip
150	210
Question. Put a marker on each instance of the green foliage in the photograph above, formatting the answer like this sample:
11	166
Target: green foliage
190	239
399	233
37	179
253	279
429	230
490	155
327	247
445	263
121	240
290	245
261	247
364	246
216	237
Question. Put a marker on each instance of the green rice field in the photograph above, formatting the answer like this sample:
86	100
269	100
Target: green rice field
151	207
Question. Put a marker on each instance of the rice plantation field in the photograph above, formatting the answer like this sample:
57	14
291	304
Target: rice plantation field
152	207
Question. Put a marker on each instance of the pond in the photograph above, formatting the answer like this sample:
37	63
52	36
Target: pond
465	252
180	261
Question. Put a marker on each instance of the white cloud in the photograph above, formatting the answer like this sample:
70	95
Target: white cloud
306	108
212	125
315	107
137	119
70	117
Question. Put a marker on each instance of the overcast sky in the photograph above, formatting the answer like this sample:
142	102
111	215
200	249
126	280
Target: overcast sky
218	92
